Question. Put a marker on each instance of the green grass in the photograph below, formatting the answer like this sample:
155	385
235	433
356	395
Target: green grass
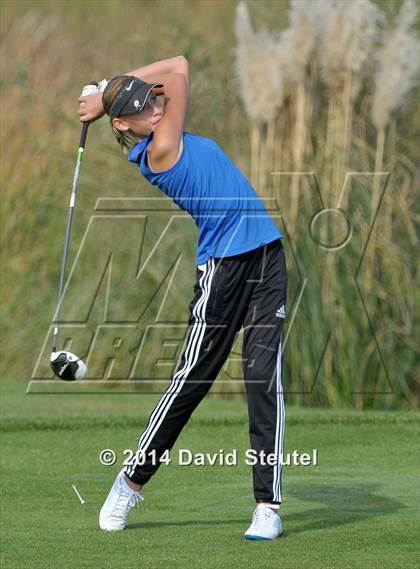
357	509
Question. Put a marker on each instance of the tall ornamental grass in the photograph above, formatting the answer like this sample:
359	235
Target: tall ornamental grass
346	70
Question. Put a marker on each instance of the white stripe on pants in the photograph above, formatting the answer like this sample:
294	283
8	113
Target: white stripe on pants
279	431
191	355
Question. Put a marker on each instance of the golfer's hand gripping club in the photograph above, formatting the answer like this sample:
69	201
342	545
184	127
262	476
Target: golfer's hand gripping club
90	102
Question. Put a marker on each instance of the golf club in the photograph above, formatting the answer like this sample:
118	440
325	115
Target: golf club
66	365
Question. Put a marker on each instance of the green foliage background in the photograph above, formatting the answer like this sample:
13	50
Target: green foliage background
49	50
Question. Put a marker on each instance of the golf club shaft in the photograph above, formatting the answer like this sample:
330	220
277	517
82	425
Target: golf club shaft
68	231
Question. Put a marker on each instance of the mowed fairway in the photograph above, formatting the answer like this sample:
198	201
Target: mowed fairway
359	507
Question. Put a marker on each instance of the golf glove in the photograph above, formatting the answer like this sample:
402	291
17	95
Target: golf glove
89	90
101	85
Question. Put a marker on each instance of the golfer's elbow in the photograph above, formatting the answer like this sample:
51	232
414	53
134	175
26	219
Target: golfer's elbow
182	64
183	67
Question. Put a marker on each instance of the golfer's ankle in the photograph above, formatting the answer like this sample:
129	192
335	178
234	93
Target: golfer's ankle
274	507
132	485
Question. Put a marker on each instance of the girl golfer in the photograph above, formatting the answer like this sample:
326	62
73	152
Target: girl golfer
241	281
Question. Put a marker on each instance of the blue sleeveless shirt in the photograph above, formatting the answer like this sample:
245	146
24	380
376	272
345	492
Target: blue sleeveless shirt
230	215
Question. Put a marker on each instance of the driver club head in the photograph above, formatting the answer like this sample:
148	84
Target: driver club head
67	366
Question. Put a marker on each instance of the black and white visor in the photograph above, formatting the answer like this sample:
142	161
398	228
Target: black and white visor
132	97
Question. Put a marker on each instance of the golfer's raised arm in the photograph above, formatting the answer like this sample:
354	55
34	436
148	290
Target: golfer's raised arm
91	108
177	64
168	133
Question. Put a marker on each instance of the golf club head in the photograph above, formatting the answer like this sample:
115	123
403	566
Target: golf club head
67	366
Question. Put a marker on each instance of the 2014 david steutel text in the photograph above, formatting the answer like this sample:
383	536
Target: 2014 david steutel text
185	457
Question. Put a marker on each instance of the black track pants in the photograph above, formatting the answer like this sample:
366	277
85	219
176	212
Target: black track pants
246	290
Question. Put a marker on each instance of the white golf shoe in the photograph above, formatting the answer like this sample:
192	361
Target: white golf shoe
120	500
265	524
